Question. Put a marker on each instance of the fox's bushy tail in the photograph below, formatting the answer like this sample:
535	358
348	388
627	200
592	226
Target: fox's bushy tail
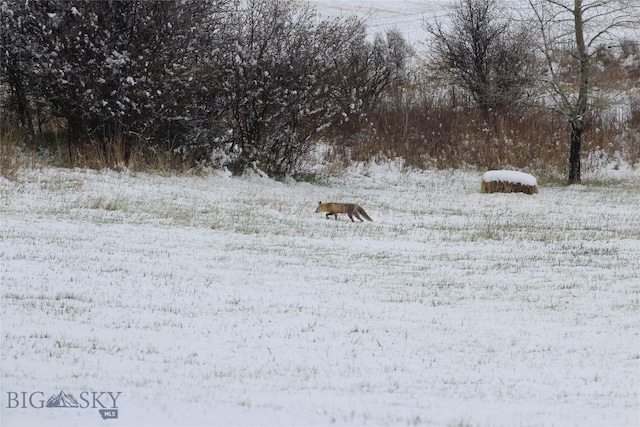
363	213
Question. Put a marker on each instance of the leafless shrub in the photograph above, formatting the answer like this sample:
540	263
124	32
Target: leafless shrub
483	51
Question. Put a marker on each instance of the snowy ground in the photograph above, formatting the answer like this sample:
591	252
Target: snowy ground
226	301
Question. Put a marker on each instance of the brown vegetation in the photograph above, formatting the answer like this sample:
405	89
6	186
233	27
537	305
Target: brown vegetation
507	187
449	132
423	129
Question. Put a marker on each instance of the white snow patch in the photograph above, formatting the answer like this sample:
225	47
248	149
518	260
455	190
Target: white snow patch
513	177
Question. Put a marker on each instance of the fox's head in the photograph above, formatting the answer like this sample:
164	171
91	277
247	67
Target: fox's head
318	208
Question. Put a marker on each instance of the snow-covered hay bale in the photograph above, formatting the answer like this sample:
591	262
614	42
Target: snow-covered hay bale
503	181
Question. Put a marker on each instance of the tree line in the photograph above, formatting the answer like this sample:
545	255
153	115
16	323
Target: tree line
253	84
248	83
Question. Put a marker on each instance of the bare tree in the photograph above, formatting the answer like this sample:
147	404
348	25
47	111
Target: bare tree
485	52
372	67
572	29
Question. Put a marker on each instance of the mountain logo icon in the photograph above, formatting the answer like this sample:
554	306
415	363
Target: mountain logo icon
62	400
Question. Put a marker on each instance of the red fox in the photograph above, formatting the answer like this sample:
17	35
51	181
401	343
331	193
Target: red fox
350	209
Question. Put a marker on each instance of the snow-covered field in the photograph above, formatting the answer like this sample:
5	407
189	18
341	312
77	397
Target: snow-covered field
227	301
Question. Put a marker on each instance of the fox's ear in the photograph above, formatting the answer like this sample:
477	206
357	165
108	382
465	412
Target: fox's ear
319	203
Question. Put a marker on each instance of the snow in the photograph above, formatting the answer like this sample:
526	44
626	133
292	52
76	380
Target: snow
226	301
513	177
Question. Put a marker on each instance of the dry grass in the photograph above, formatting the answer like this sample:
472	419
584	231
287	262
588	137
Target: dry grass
428	132
507	187
11	159
9	165
8	159
116	154
50	146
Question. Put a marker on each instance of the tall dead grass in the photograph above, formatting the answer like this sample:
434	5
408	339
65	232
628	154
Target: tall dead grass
429	131
50	145
9	160
117	154
11	156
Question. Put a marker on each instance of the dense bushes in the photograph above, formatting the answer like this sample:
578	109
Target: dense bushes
110	69
247	84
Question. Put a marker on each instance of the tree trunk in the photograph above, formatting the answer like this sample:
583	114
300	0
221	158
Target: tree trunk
580	110
574	155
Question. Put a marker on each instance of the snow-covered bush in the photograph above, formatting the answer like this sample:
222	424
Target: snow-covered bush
290	75
111	69
250	82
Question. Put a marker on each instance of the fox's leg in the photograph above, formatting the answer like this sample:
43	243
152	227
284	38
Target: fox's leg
351	216
357	216
328	215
